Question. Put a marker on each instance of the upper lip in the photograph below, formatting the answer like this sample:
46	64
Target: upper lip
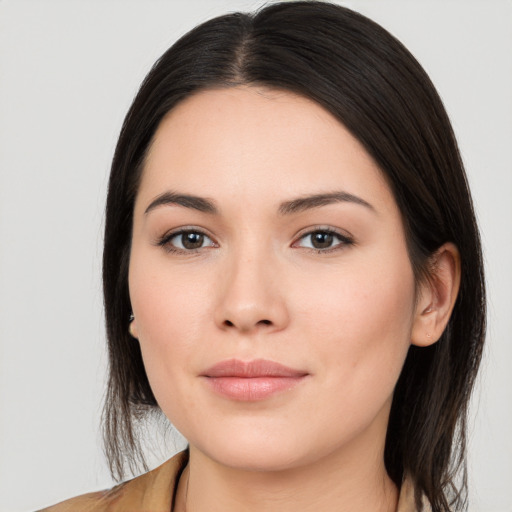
251	369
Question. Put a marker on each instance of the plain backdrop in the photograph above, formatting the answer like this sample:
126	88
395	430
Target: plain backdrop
68	72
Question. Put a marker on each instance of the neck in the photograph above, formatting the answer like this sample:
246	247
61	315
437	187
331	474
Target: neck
338	482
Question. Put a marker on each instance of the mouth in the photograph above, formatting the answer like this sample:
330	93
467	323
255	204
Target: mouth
252	380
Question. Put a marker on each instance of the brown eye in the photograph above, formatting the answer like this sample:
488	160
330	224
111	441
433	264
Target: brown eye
321	240
187	241
192	240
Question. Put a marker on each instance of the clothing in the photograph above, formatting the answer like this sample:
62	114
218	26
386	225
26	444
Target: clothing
155	492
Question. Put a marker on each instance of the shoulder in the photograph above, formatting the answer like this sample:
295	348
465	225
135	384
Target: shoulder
91	502
151	491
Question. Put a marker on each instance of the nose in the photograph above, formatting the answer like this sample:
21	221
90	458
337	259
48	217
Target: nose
251	297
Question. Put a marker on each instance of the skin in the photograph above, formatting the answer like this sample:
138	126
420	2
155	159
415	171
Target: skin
345	315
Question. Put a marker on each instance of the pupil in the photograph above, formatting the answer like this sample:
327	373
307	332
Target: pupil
322	240
192	240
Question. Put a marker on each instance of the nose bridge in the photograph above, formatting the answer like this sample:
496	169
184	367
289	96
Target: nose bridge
250	297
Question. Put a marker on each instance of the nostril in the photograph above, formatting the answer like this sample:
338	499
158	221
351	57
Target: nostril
229	323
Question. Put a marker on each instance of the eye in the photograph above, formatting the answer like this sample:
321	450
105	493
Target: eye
186	240
323	240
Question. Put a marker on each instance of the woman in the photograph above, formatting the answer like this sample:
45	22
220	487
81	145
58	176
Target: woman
292	273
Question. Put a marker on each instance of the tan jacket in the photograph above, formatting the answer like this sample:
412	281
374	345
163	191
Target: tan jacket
155	492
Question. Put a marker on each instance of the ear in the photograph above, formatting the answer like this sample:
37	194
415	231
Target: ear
132	329
437	296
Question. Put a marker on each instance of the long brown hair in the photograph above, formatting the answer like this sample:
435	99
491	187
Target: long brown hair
374	86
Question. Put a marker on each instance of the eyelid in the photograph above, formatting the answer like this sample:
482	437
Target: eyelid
164	240
344	237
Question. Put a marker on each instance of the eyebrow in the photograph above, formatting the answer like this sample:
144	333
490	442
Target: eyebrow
314	201
286	208
188	201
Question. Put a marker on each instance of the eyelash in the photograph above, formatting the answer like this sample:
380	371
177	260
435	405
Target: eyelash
165	240
343	240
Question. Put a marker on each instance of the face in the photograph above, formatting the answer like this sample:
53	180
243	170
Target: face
270	281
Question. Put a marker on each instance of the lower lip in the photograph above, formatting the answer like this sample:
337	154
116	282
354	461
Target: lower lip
252	389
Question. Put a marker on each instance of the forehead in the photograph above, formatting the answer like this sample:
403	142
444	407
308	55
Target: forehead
254	143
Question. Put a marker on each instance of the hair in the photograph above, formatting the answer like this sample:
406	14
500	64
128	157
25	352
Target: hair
369	81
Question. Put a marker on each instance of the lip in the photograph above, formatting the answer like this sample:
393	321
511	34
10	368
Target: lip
250	381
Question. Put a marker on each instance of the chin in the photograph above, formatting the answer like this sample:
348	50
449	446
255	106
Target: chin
256	458
267	451
253	451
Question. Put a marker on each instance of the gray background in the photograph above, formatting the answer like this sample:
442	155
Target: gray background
68	71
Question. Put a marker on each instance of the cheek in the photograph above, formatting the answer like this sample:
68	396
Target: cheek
171	312
166	299
362	320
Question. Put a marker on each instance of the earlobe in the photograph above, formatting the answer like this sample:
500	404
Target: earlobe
437	296
132	328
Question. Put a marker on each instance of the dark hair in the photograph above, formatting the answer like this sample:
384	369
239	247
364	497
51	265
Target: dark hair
367	79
